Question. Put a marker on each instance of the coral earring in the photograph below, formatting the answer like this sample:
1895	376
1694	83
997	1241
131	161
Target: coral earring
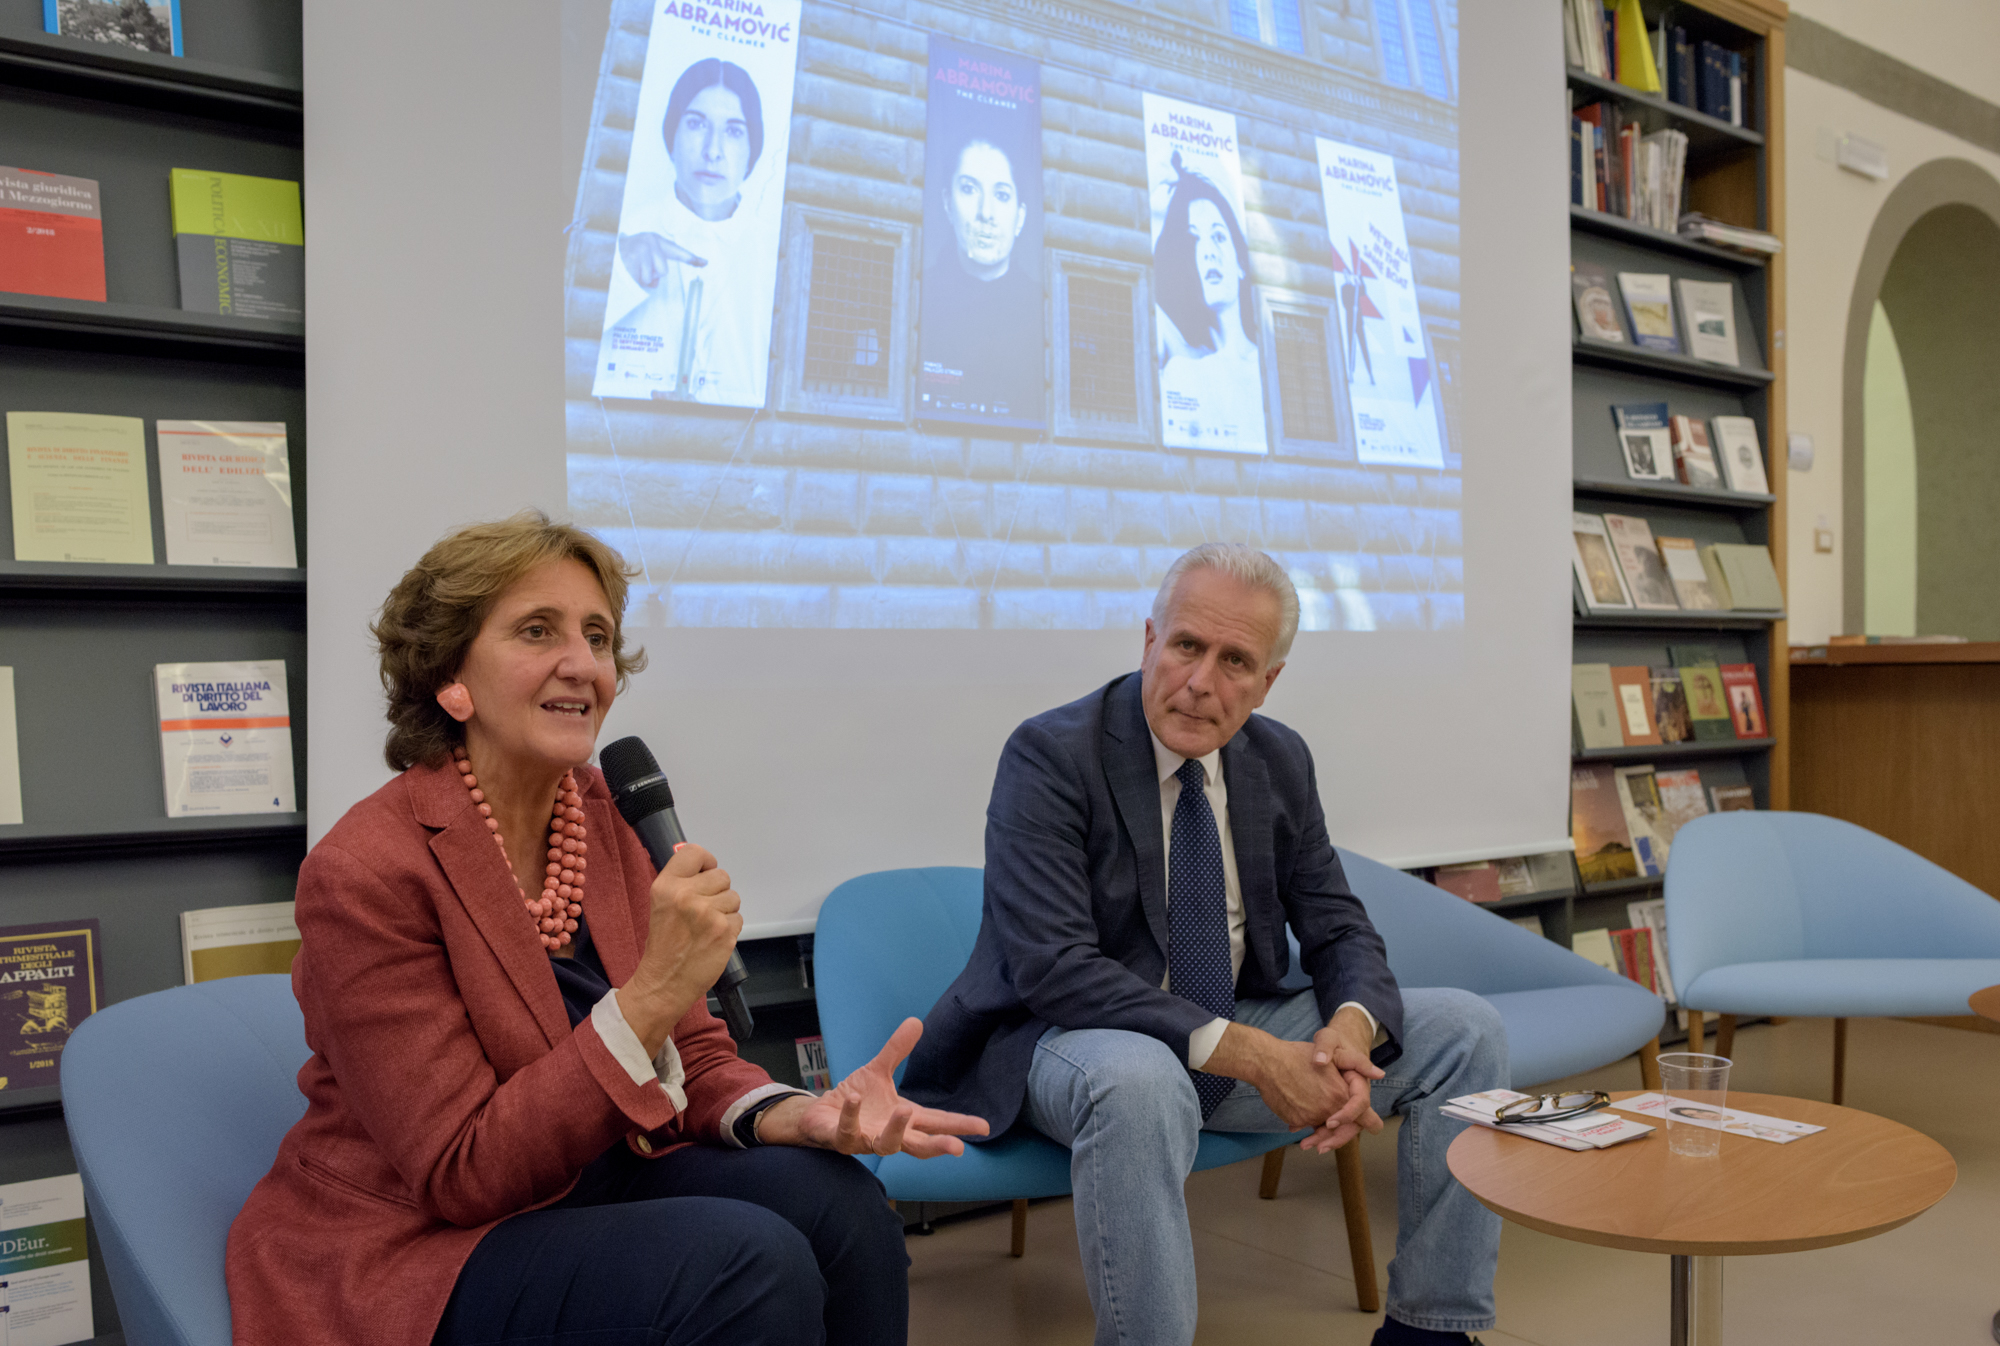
457	702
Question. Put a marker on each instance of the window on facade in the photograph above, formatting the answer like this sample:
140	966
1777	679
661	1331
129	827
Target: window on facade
1305	388
1275	23
847	325
1412	46
1103	376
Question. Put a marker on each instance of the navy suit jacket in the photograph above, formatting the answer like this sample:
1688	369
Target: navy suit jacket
1074	928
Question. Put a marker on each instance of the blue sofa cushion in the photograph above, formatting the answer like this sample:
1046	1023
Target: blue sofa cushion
1844	987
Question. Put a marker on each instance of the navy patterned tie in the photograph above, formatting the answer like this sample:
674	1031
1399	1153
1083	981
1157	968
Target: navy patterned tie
1198	962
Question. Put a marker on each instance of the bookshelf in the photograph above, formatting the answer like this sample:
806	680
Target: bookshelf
1734	174
82	639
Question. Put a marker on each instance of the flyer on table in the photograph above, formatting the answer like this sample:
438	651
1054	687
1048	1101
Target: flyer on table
44	1263
688	316
226	493
1211	370
1390	380
79	487
225	738
51	978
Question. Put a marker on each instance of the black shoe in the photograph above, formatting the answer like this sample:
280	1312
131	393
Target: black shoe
1394	1333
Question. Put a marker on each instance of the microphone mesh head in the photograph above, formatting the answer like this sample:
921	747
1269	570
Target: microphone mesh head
638	786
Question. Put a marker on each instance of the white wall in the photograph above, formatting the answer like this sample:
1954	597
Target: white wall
1828	214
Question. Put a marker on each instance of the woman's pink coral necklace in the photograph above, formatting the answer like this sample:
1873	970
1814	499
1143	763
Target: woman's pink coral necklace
556	911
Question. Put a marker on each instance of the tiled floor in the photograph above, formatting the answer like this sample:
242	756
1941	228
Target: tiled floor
1278	1272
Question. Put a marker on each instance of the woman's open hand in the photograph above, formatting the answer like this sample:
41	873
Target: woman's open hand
864	1114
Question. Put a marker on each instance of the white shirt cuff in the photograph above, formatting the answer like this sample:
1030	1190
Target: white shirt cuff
1203	1042
749	1100
665	1069
1374	1028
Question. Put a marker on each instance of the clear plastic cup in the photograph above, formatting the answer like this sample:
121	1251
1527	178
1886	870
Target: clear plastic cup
1694	1084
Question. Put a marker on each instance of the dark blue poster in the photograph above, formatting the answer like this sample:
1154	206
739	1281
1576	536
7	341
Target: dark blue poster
981	349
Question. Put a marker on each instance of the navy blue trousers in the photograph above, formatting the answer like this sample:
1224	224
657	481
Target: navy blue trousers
701	1247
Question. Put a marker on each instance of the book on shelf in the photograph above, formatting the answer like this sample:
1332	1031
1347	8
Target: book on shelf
1597	946
1547	872
1708	311
1650	914
240	242
1649	303
1633	685
51	235
1631	48
1746	700
45	1261
51	980
814	1076
1478	881
1674	54
1742	576
1708	706
1597	825
1681	799
225	738
1690	579
226	493
243	941
1694	459
1645	573
1732	798
1670	707
80	488
1701	229
1645	817
1532	923
1742	460
1597	316
1683	655
1645	437
1634	948
1595	703
149	25
1719	83
10	753
1603	583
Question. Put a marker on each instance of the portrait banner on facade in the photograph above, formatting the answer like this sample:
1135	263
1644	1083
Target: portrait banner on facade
1390	379
1211	370
688	313
982	358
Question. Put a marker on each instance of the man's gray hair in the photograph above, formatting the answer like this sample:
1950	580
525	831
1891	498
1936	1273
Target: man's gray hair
1245	563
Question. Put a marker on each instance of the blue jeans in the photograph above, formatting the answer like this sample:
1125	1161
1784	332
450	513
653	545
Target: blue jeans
1126	1108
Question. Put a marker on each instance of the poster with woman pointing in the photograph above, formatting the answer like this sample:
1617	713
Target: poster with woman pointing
1211	371
688	313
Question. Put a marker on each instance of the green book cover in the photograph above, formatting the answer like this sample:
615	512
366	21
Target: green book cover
1708	706
1690	656
240	242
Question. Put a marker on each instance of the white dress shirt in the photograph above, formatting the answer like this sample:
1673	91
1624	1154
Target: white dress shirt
624	1044
1202	1042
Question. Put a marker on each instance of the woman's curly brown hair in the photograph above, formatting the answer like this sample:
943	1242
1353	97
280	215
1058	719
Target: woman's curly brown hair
428	622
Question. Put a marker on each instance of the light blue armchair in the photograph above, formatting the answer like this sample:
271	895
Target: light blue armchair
1795	913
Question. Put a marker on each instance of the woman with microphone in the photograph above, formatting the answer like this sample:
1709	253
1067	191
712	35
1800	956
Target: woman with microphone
522	1123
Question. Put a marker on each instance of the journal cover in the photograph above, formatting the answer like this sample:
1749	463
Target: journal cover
51	980
1746	702
51	235
80	490
1742	460
1596	310
1694	460
1596	705
1708	709
1670	707
1633	684
1596	568
1683	561
1645	817
238	941
226	493
1649	298
1645	572
241	245
1709	310
1645	438
1597	825
225	738
141	24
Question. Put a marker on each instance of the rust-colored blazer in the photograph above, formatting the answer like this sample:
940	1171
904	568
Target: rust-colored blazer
446	1090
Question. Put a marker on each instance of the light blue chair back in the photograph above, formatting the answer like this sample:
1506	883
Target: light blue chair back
176	1102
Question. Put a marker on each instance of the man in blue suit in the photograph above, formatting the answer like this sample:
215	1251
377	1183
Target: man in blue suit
1146	847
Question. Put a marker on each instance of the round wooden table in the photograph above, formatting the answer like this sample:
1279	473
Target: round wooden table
1986	1004
1864	1175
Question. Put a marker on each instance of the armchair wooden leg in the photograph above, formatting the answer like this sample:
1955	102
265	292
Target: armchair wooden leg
1695	1038
1649	1066
1020	1247
1274	1168
1839	1060
1725	1034
1360	1244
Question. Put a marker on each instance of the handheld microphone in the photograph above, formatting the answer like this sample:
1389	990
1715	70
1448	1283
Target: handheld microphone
646	801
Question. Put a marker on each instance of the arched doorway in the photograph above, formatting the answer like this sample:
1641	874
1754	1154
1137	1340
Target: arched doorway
1923	308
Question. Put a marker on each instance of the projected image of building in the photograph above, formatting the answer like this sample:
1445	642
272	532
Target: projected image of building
845	501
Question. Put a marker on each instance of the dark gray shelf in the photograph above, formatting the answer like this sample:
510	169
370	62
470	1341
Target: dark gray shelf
1619	887
1541	899
158	331
1705	134
1646	752
41	841
1743	502
31	579
1695	621
1646	236
1674	366
102	70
